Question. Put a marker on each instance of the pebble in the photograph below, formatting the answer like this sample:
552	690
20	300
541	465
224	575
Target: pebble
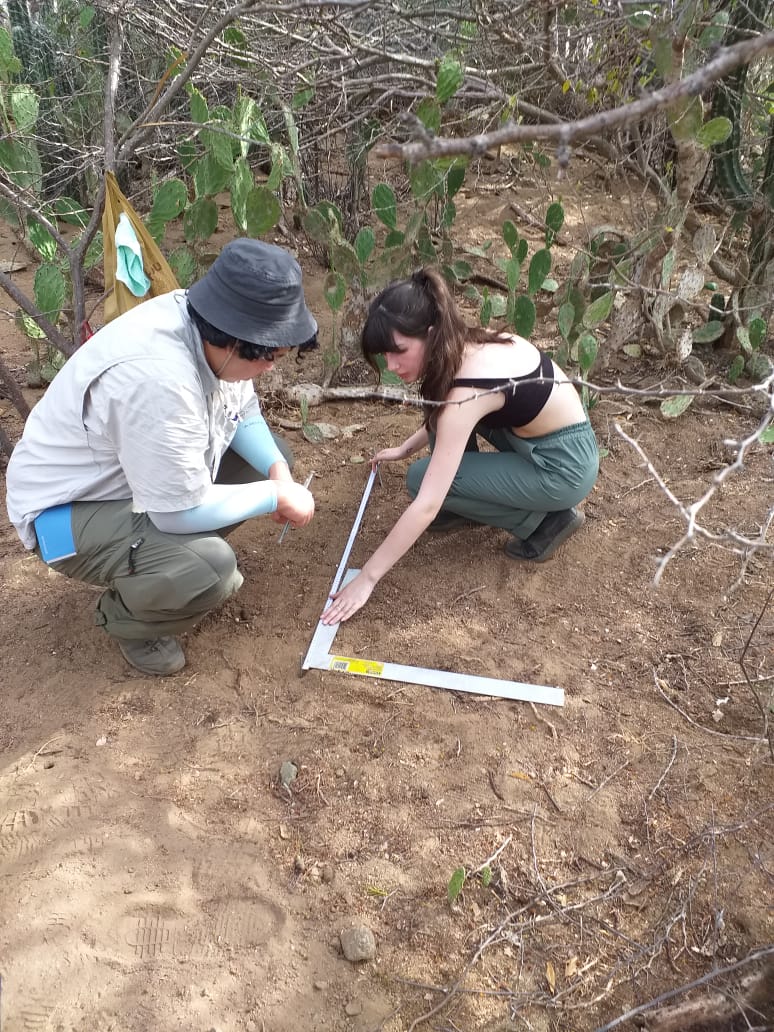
353	1007
322	986
288	773
358	943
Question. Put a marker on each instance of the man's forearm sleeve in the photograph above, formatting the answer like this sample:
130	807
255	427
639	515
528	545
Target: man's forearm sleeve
253	441
223	505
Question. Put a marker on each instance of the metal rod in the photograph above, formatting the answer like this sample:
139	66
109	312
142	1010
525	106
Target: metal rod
285	529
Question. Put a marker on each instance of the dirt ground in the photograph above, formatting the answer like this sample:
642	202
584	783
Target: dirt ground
156	873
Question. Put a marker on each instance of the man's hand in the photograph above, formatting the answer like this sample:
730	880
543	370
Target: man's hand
295	504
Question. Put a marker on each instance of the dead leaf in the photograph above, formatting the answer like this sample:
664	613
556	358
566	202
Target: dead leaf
571	967
519	774
717	639
551	976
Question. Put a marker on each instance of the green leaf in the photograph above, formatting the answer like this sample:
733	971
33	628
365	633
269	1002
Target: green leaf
24	107
9	63
671	408
183	264
521	250
209	176
566	319
170	201
632	350
200	220
598	310
713	34
462	270
259	131
455	177
524	315
344	259
50	291
743	336
450	76
186	153
317	226
219	146
587	351
758	366
550	285
486	876
449	214
539	268
262	211
384	204
301	98
685	118
70	211
709	332
425	180
767	437
512	270
394	239
757	330
21	162
241	185
200	112
28	326
429	114
365	241
456	883
335	290
245	114
510	234
485	315
716	131
42	241
385	376
554	221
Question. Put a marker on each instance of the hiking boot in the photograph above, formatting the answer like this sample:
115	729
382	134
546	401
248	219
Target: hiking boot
543	542
156	656
448	521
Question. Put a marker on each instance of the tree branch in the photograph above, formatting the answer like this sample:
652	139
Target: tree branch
727	59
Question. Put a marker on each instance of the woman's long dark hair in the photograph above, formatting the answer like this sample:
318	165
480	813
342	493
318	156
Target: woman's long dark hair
422	306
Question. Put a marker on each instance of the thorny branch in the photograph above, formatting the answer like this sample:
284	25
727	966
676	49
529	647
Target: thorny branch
727	59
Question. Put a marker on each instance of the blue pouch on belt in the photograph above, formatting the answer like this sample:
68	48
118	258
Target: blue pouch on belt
54	531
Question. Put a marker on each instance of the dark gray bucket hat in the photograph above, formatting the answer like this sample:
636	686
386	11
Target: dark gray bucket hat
253	292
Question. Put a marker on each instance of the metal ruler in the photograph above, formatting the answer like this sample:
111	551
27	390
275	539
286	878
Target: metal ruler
320	654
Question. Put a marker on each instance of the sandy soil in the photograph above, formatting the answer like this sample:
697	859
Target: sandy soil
155	873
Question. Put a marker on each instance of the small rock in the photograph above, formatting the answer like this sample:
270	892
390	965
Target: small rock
101	741
288	773
322	986
251	1026
328	873
48	764
358	943
353	1007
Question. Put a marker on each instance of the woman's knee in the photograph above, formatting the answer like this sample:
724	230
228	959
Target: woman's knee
415	475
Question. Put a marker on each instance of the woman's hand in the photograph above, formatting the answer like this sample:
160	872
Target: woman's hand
347	601
388	455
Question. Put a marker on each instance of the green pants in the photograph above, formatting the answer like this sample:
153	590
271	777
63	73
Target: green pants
171	580
514	487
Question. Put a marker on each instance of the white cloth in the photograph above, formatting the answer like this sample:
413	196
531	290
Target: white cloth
135	413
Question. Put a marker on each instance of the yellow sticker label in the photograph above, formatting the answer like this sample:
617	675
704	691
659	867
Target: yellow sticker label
345	665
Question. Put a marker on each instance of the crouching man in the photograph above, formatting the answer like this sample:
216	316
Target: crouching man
150	445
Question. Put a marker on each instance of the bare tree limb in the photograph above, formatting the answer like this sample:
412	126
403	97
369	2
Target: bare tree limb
727	59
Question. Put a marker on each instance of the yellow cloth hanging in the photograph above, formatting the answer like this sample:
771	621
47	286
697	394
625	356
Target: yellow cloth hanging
119	297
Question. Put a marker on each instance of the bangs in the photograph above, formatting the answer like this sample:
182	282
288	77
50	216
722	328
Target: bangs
377	337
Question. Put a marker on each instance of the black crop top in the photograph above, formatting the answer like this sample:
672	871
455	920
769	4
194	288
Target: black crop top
523	401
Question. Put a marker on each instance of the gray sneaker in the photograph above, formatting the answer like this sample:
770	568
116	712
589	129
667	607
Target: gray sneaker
157	656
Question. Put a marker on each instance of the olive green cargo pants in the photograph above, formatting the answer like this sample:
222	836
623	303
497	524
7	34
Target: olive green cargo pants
156	584
515	487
